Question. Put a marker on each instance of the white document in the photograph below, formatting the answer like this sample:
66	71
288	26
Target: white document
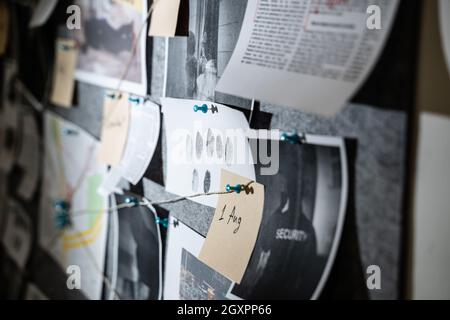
444	18
29	157
312	55
431	209
200	144
180	237
18	234
42	12
143	135
71	173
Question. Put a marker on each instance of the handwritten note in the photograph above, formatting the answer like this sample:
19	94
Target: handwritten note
165	18
64	71
234	230
4	27
116	119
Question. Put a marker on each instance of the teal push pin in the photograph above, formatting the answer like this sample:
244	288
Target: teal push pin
238	188
292	138
163	222
204	108
134	99
70	132
132	201
62	216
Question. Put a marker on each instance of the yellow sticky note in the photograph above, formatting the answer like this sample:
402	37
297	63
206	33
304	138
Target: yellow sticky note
136	4
233	233
164	18
116	119
64	72
4	27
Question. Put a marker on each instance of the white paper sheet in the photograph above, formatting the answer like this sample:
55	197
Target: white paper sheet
70	165
431	209
311	55
143	135
18	234
42	12
200	145
444	18
29	157
179	238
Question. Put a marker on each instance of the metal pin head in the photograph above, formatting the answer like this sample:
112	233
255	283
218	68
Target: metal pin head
113	95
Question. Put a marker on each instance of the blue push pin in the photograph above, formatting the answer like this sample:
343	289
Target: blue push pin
70	132
163	222
131	200
62	217
292	138
204	108
238	188
134	99
61	205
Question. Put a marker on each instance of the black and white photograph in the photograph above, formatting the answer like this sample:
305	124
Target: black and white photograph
134	259
108	33
196	63
185	276
303	217
200	282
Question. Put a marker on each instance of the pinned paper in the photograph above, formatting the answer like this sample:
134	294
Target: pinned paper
170	18
136	4
116	119
42	12
64	72
234	230
4	27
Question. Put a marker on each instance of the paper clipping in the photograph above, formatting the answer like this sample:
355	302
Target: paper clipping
311	55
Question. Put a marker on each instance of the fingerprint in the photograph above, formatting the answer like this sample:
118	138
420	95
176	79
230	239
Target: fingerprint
229	152
219	147
189	147
207	182
210	144
195	180
198	145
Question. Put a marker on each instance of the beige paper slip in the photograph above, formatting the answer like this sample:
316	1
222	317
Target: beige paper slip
116	120
164	18
64	72
234	230
4	27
